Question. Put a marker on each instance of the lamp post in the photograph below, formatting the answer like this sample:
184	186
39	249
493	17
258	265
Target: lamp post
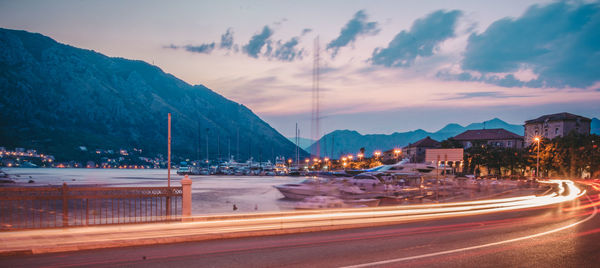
397	153
592	160
537	164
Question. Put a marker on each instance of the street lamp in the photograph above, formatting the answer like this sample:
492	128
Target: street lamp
377	154
537	165
397	153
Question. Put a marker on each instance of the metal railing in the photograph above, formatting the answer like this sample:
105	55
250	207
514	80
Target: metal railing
57	207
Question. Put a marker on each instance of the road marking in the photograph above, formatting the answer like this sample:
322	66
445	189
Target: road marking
475	247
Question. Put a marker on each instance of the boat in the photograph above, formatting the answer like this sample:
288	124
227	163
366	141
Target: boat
185	169
307	188
365	202
320	202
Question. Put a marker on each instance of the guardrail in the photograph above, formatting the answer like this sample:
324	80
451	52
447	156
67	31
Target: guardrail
57	207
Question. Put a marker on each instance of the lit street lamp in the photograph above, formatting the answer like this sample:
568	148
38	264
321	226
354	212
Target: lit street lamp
377	154
397	153
537	165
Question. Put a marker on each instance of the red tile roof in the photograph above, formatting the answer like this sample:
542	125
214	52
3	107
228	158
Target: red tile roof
426	142
557	117
487	134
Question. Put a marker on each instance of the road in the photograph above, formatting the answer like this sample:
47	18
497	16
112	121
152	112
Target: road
559	235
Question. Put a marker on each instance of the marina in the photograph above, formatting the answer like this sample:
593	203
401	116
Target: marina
218	194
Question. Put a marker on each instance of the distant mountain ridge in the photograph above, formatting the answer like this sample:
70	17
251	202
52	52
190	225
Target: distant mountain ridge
56	97
341	142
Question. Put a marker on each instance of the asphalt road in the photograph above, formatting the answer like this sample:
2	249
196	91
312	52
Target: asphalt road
563	235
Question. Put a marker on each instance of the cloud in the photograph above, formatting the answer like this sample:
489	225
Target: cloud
482	94
171	46
422	40
288	51
358	25
204	48
506	80
559	42
260	45
258	41
306	30
227	40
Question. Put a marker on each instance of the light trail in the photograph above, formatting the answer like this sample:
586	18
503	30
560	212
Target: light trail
317	220
571	190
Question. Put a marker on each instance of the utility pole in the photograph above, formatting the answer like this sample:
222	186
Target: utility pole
169	152
198	141
315	102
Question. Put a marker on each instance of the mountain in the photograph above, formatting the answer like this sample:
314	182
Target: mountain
595	126
304	143
341	142
56	97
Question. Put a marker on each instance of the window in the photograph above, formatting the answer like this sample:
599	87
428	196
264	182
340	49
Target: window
556	131
508	144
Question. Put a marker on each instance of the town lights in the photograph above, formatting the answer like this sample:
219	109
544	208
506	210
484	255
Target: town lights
350	157
360	156
377	154
326	159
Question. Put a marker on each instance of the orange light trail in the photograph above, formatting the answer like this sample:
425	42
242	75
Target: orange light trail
229	225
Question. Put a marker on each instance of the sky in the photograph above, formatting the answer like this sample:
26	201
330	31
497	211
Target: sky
385	66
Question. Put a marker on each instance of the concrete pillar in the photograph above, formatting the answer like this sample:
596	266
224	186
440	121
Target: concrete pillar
186	199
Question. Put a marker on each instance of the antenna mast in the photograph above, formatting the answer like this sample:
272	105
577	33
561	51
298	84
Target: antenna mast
315	102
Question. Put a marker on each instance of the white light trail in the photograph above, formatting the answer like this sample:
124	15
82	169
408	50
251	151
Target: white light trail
236	225
572	195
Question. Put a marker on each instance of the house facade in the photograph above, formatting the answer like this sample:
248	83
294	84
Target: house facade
416	151
491	137
555	125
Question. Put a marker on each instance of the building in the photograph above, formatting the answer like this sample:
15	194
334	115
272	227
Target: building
391	155
492	137
416	151
555	125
